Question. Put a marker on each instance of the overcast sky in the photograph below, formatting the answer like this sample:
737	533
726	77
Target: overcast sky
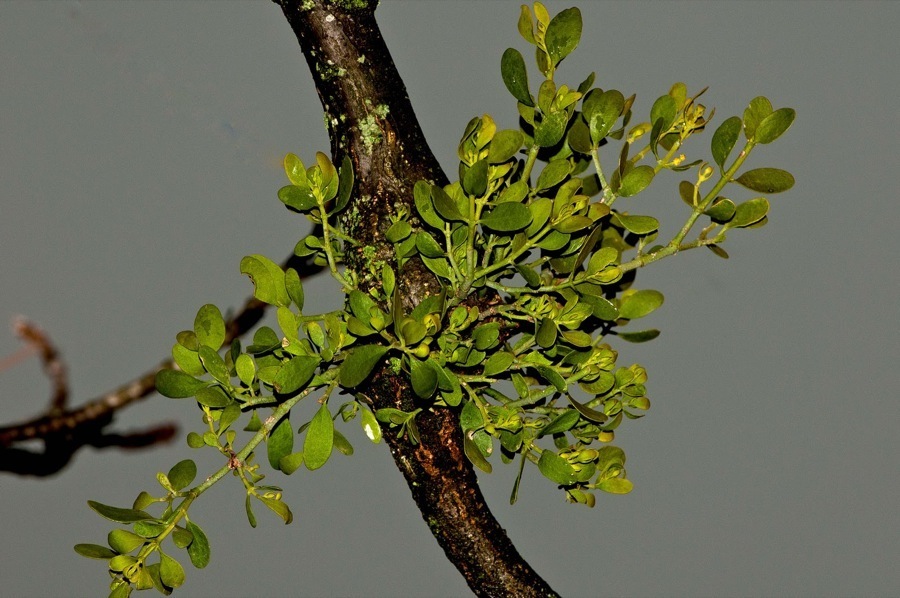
140	148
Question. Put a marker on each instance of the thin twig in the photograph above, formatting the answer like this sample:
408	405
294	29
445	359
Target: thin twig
64	430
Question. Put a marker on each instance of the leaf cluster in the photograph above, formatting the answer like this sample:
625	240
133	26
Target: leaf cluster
535	263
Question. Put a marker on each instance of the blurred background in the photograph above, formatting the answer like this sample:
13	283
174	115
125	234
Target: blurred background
140	150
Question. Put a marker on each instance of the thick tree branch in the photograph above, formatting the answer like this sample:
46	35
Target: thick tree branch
371	121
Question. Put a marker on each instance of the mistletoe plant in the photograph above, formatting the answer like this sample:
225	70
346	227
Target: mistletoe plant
533	269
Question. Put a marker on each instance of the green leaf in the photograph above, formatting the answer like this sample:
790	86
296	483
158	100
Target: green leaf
345	184
209	326
445	205
525	26
295	170
143	500
264	340
290	463
213	396
398	231
123	541
601	111
749	212
636	180
766	180
251	518
505	145
507	217
774	125
295	374
181	537
616	486
214	364
278	507
94	551
298	198
556	469
198	550
268	279
280	442
476	178
319	438
361	305
187	360
423	378
553	173
170	571
497	363
723	140
342	444
121	562
182	474
540	209
639	225
470	417
389	415
532	278
177	385
759	108
551	129
588	413
117	514
370	425
422	198
514	193
475	455
573	224
326	168
546	333
515	77
562	423
722	210
563	34
639	337
553	377
602	258
486	336
579	138
294	287
601	307
639	304
246	368
664	109
427	246
439	266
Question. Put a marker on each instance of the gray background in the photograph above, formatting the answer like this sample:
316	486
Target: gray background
140	150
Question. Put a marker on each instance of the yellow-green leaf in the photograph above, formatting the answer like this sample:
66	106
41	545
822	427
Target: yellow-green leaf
319	439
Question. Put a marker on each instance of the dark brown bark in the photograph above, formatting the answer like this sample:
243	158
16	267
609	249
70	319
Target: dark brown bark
371	121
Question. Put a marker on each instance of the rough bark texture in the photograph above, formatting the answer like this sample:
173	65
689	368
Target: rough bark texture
371	121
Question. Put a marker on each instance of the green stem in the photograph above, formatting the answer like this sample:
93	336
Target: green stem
329	252
529	162
608	196
676	244
239	458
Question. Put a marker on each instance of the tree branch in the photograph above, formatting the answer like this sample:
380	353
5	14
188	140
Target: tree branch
371	121
65	430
